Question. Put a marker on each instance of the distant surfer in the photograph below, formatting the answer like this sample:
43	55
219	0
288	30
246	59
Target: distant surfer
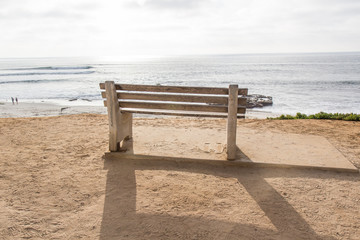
12	99
17	102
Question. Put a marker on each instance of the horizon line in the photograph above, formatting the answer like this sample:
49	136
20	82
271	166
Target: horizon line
138	56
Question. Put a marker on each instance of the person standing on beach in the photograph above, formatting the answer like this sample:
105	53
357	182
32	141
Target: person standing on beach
17	102
12	99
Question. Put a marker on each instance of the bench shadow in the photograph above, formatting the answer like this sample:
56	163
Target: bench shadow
121	221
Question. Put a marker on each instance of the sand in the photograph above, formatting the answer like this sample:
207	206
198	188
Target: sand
56	184
46	108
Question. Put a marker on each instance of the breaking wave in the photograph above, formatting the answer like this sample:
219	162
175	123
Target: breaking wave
33	81
44	73
53	68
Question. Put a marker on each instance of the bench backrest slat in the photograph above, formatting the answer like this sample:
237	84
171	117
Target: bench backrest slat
174	89
176	98
177	106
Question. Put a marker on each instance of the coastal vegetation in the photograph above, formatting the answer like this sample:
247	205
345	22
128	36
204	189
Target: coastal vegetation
322	115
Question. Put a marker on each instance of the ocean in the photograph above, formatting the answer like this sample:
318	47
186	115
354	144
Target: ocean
306	83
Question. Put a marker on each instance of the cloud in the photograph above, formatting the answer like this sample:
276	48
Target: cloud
21	9
156	27
167	4
174	4
25	14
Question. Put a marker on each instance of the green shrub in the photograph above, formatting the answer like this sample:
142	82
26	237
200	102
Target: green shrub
322	115
301	116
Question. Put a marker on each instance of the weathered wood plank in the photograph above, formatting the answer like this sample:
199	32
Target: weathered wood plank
177	106
242	102
175	89
241	109
232	122
173	97
126	132
243	91
174	106
113	115
179	113
176	98
172	89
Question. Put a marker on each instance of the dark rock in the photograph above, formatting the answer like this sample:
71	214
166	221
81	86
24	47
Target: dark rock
258	101
254	101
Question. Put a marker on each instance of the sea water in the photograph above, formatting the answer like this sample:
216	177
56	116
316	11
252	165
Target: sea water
306	83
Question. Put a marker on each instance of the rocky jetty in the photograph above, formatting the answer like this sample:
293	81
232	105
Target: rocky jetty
258	101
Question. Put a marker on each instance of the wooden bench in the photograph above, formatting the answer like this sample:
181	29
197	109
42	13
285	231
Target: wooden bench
122	100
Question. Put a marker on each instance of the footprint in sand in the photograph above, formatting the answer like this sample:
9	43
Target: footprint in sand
207	148
219	148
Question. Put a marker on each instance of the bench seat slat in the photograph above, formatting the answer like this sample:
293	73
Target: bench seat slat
174	89
178	113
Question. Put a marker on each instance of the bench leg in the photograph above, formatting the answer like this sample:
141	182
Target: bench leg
114	116
120	124
232	122
125	132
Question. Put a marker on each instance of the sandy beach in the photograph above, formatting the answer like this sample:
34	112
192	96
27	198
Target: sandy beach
56	184
46	109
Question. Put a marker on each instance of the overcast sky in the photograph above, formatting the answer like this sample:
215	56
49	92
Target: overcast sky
54	28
